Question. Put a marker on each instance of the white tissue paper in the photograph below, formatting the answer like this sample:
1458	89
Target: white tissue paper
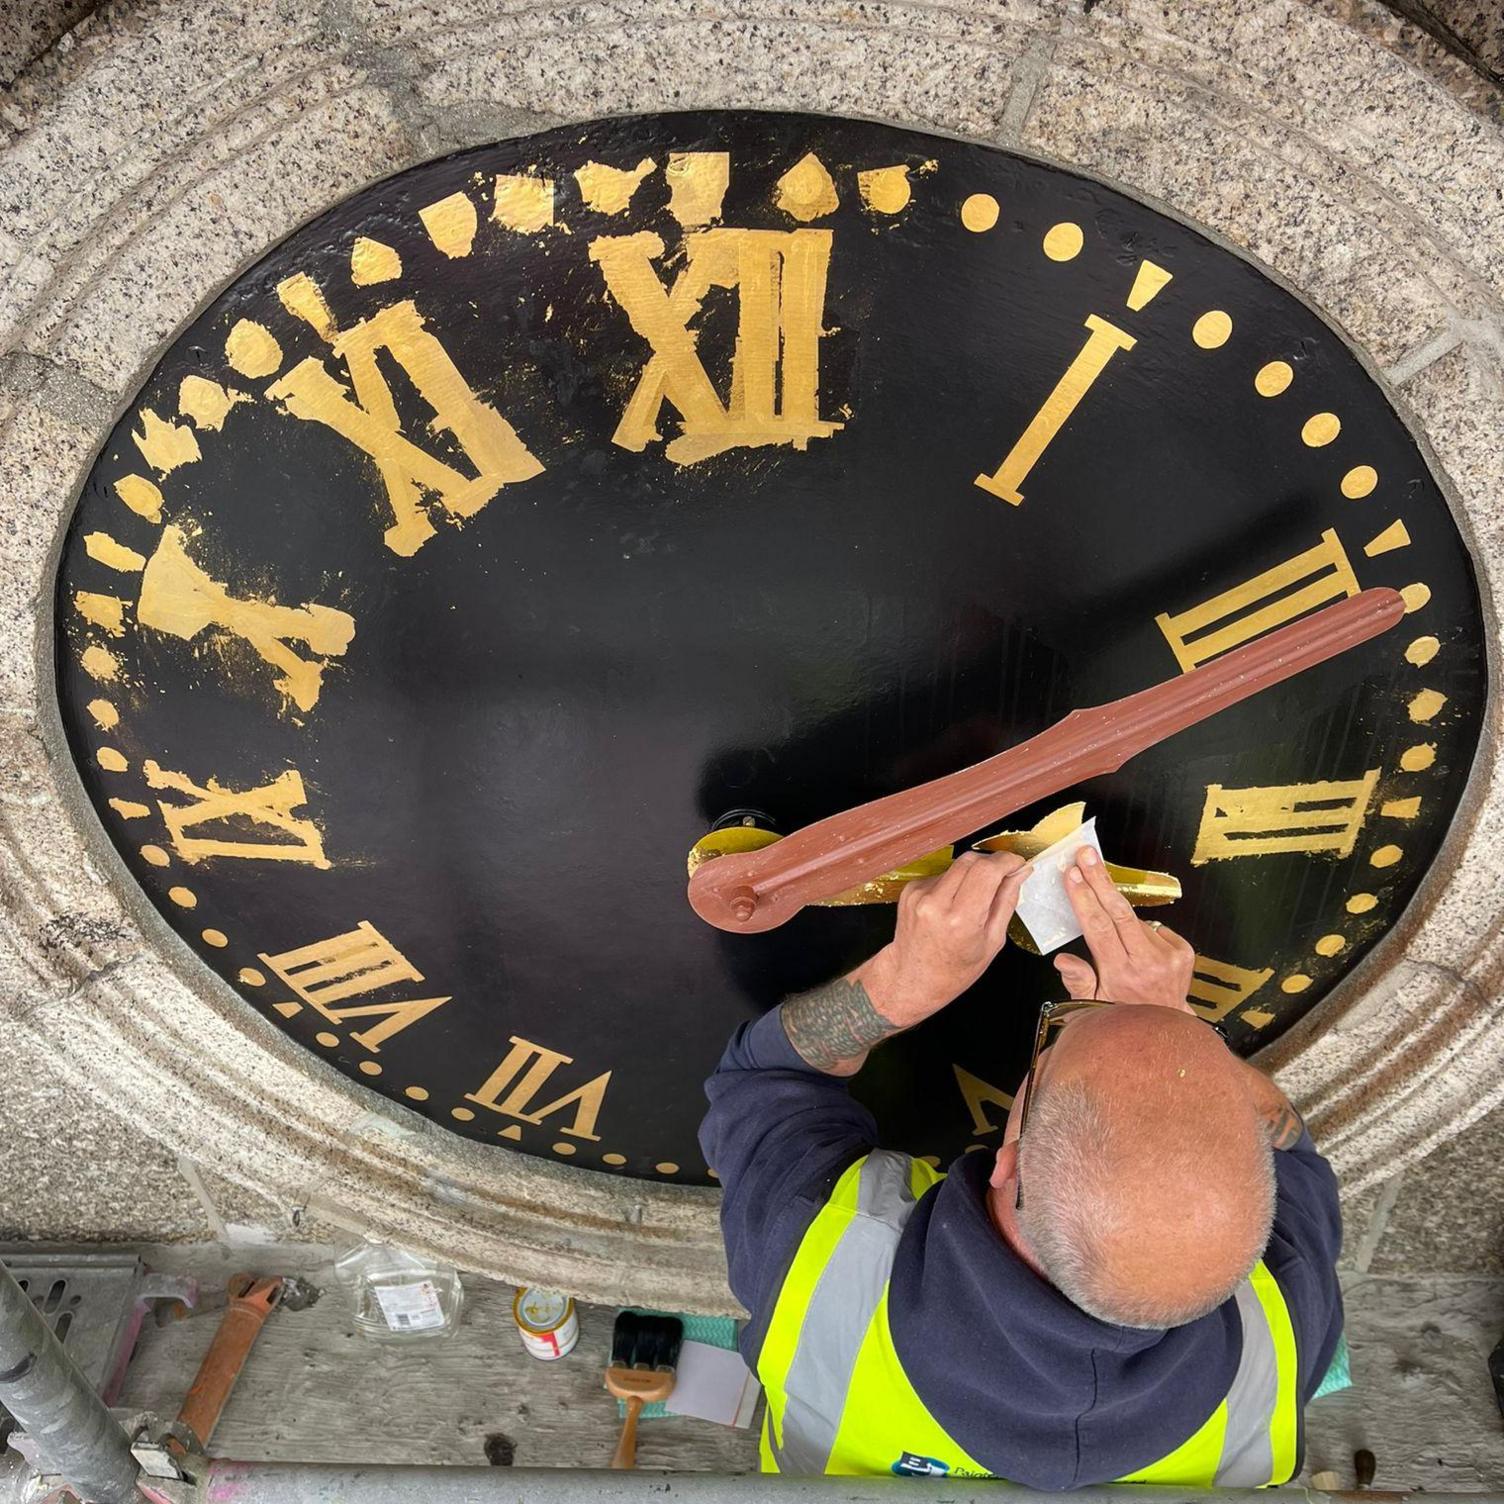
1042	903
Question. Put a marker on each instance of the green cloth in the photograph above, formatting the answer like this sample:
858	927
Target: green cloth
713	1331
1339	1375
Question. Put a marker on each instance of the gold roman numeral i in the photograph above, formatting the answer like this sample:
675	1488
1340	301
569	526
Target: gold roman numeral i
1104	340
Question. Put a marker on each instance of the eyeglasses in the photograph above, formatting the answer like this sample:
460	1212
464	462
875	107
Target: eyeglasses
1054	1016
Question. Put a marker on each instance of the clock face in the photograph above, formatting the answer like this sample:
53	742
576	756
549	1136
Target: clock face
509	525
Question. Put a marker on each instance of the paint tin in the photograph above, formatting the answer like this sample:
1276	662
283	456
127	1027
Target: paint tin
547	1322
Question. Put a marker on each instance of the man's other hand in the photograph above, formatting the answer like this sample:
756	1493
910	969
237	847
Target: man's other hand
949	929
1135	962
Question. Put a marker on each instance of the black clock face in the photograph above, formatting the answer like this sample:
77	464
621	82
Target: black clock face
513	522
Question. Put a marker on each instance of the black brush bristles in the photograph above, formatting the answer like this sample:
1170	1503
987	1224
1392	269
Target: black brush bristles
640	1341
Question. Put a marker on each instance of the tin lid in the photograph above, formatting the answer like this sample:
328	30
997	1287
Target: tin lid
540	1310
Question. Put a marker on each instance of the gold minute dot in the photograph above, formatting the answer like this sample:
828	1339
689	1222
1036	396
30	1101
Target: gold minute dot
1385	856
415	1093
326	1039
565	1149
712	1174
1359	482
1362	903
369	1068
1297	982
105	716
1422	651
251	977
1330	945
1418	758
1063	242
185	898
1212	330
1415	596
1320	429
976	1148
155	855
666	1167
1273	378
461	1114
111	760
613	1159
1425	705
932	1160
979	212
217	938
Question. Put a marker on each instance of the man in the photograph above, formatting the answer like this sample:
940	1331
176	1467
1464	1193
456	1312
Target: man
1139	1286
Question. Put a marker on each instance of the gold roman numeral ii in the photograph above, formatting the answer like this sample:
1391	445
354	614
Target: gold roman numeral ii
1304	817
1269	600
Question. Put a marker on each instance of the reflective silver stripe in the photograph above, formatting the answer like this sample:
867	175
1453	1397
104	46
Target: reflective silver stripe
841	1308
1247	1449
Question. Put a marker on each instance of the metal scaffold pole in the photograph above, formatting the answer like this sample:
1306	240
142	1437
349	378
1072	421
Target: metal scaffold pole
75	1436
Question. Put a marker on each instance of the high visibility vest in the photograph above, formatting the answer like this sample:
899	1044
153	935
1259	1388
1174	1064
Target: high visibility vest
840	1402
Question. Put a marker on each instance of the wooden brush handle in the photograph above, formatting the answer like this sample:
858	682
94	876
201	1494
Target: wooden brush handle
626	1449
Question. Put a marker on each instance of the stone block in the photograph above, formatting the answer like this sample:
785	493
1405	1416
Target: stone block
914	65
231	196
1236	174
1345	92
1449	1215
77	1172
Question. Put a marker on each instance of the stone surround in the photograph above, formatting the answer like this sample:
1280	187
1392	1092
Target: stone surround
170	143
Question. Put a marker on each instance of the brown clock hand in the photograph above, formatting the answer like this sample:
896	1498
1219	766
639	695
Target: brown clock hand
760	890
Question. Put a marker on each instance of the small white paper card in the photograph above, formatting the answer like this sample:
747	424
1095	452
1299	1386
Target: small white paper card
712	1383
1042	903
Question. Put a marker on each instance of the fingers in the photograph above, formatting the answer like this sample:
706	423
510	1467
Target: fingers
981	877
1130	927
1005	902
1080	980
1103	938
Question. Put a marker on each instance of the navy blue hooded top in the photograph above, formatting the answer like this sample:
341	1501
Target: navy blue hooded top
1030	1385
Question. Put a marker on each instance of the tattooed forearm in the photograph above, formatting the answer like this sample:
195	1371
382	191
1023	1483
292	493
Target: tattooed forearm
834	1026
1285	1126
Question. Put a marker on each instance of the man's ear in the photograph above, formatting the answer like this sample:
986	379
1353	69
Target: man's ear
1005	1166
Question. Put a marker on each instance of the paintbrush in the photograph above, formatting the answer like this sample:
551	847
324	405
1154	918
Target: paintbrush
644	1350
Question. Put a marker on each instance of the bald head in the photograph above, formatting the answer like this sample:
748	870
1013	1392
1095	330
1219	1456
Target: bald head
1148	1179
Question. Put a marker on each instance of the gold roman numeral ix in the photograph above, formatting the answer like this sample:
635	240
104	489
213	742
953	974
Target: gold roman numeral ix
1269	600
359	962
1303	817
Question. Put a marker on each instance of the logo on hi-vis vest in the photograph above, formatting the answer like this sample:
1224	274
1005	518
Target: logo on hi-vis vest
911	1465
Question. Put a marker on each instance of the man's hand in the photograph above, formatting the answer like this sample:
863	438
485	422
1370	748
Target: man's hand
949	930
1134	962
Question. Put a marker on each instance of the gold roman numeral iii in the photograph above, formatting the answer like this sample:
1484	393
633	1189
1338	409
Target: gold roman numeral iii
1304	817
1259	605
